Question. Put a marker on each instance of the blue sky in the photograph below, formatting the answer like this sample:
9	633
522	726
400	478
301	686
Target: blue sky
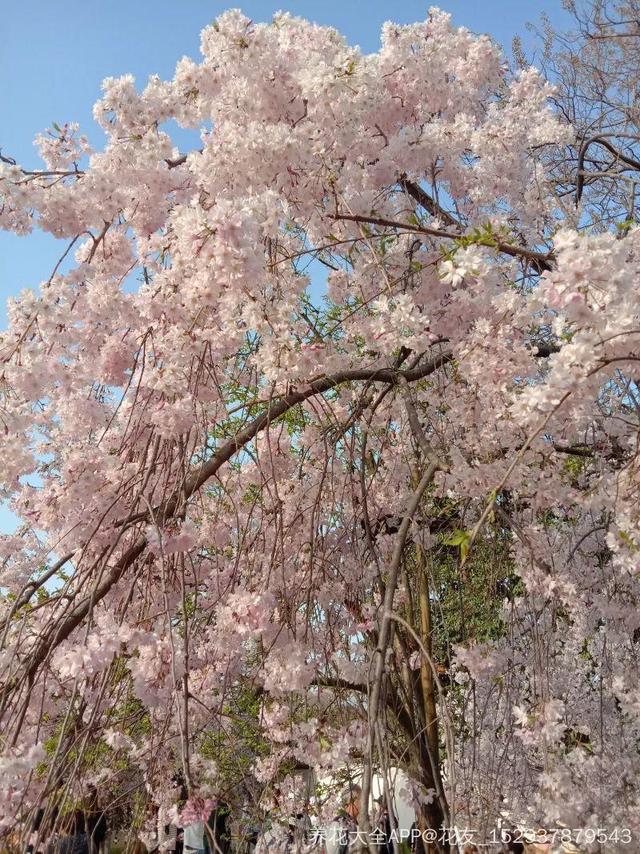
55	55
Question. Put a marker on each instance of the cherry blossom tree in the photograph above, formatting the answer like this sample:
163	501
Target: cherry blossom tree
595	69
388	520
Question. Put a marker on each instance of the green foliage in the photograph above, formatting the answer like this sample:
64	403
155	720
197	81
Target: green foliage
235	745
468	586
625	225
459	538
483	235
295	420
574	466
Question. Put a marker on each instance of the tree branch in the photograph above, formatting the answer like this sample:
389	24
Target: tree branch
427	202
542	261
57	633
600	139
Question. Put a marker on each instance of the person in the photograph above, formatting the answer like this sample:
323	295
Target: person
275	838
336	835
35	829
537	848
193	838
384	826
414	836
96	822
302	833
74	840
179	785
514	846
250	835
217	823
167	833
351	802
534	842
341	834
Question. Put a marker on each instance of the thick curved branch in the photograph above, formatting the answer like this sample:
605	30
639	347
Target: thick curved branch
58	633
600	139
279	408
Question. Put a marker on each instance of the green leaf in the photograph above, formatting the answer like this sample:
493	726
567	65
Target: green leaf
456	538
459	538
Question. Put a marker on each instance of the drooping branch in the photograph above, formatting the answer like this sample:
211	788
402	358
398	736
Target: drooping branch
384	637
59	632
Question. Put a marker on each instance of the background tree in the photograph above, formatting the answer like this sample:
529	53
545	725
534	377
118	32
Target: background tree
596	71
